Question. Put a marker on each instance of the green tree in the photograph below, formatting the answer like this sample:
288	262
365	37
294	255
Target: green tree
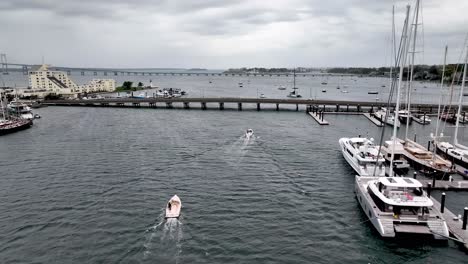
127	85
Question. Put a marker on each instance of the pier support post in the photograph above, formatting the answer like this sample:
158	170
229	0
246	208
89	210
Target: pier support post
434	180
347	108
465	216
221	106
203	105
323	108
359	108
297	107
239	106
429	145
372	109
415	175
322	115
414	137
186	105
258	106
337	108
168	104
277	107
442	203
429	189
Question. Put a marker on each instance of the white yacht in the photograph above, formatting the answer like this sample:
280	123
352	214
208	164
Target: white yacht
456	155
361	154
397	205
20	109
249	134
422	119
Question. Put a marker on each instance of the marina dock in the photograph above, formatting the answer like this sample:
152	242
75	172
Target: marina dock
318	116
446	185
373	119
454	223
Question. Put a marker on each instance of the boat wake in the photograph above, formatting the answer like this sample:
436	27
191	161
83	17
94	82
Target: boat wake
238	149
164	240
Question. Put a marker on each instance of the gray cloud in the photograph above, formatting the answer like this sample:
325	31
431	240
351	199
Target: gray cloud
214	33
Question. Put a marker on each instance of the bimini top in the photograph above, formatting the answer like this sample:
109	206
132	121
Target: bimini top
360	140
400	182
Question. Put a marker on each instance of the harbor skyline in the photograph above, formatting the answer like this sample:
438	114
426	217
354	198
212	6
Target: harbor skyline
210	34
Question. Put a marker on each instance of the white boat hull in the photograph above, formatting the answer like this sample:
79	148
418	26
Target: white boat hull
361	171
173	207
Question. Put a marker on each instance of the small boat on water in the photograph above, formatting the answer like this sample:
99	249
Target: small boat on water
373	92
403	116
422	119
381	115
398	205
249	134
262	96
324	83
361	154
324	91
344	91
455	155
282	88
173	207
294	93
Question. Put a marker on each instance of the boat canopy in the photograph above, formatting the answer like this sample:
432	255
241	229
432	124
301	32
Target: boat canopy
400	182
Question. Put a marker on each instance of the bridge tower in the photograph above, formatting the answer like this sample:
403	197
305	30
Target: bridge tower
4	62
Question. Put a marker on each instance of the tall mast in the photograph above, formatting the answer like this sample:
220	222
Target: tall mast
294	78
393	48
460	101
403	56
410	86
441	94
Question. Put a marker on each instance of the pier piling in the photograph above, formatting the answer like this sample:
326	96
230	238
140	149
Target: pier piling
429	188
415	175
277	107
465	216
203	105
168	104
221	106
186	105
442	203
297	107
239	106
258	106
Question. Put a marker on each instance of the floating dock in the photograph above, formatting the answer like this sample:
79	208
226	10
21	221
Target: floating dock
454	224
446	185
373	120
319	118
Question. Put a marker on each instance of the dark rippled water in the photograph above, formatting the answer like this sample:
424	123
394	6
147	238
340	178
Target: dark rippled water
88	185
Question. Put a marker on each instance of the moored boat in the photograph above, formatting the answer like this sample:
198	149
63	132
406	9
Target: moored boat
398	205
363	156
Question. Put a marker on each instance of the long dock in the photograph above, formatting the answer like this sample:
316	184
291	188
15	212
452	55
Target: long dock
454	224
319	118
185	102
446	185
373	119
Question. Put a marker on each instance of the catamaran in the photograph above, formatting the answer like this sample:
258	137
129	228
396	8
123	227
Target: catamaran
363	156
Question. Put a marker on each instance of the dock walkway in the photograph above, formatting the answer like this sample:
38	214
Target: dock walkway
447	185
319	118
454	224
373	120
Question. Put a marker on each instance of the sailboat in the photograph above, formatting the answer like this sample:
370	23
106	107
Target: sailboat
397	205
457	153
294	93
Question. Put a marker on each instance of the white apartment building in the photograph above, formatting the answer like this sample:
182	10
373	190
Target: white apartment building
99	85
52	81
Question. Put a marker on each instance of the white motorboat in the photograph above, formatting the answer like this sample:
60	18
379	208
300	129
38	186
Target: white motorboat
262	96
422	119
173	207
403	116
361	154
249	134
282	88
456	155
20	109
381	115
398	205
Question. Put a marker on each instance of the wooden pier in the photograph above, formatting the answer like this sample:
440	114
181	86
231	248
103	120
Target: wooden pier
373	120
454	224
326	106
318	116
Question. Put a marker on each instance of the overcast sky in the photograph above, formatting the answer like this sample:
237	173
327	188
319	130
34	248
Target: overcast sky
220	34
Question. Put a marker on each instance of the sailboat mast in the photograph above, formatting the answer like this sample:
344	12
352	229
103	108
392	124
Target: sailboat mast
392	49
294	78
460	101
410	86
403	56
441	93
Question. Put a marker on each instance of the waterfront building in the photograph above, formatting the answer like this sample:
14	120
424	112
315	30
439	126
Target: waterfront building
99	85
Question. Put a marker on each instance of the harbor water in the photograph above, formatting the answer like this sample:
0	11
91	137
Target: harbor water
89	185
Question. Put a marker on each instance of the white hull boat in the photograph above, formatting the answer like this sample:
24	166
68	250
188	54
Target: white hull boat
361	154
173	207
397	205
249	134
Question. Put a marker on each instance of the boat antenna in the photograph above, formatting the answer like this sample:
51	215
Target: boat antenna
460	101
410	85
441	94
403	55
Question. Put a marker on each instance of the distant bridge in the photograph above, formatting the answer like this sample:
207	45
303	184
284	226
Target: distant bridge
25	68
